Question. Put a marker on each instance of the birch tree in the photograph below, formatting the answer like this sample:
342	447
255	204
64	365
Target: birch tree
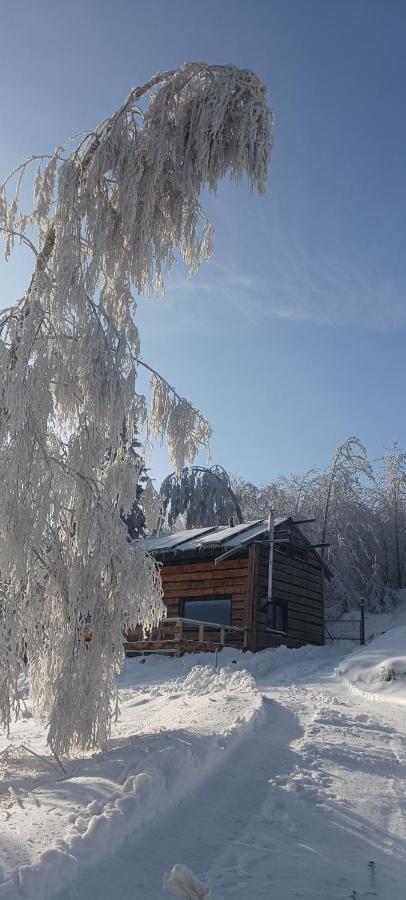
113	210
390	500
348	466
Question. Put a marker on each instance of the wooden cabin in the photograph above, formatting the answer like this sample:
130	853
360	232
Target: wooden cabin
241	586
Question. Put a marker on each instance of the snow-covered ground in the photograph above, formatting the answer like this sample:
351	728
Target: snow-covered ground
379	670
275	776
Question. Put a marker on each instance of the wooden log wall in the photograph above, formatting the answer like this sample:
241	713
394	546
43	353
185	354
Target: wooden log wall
297	584
230	578
262	637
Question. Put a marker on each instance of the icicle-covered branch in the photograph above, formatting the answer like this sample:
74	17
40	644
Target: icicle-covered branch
112	210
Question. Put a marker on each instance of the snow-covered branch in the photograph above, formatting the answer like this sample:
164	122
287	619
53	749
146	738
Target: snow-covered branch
113	209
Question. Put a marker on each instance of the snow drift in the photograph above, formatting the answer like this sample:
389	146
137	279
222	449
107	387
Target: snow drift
168	773
379	669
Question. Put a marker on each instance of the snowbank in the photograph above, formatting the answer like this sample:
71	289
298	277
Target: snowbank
379	669
156	669
203	680
168	773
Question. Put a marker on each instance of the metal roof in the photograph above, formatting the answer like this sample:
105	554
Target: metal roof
218	537
203	538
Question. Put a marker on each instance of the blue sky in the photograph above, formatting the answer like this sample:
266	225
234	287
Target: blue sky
293	336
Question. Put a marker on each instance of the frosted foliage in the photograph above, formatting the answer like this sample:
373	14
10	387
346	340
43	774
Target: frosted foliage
199	497
185	428
112	210
359	511
151	506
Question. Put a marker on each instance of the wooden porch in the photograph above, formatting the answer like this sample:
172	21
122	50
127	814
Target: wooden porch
178	635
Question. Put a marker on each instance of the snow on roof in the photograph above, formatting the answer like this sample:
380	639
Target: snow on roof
171	541
217	536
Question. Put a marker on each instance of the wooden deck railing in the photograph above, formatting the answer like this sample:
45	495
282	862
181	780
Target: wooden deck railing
180	634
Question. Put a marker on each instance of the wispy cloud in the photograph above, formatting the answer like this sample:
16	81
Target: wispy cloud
337	291
299	286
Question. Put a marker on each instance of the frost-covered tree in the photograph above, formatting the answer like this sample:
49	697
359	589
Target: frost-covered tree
360	511
389	498
113	210
134	518
200	497
296	492
256	500
343	477
339	500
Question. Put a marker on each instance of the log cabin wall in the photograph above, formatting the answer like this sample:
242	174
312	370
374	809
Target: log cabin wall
203	579
297	585
262	637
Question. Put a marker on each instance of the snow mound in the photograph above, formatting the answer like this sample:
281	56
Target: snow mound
379	669
297	659
168	774
204	680
181	882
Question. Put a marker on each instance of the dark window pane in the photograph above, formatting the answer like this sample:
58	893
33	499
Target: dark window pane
277	617
216	609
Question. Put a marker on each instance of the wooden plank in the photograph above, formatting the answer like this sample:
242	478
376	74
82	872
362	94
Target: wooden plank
302	640
305	583
177	647
306	607
309	563
301	593
212	575
261	594
289	584
212	590
305	633
250	600
227	586
226	565
292	567
294	578
305	612
240	610
285	591
178	577
225	582
300	625
298	616
261	579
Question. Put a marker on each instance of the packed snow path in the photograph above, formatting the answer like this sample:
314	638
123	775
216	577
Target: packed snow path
310	804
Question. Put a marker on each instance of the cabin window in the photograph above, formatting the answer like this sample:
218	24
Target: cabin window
208	609
277	617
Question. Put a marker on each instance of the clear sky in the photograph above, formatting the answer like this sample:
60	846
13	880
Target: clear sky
293	336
